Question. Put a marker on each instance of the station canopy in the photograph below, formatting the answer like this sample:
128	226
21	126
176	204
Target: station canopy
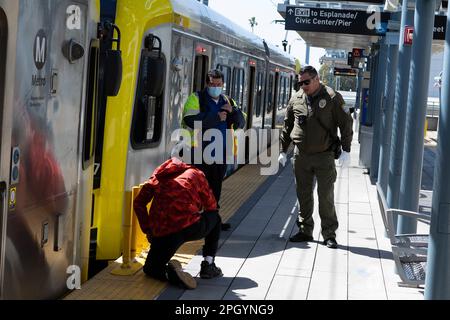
343	24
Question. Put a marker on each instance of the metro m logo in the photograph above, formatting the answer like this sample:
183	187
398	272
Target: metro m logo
40	49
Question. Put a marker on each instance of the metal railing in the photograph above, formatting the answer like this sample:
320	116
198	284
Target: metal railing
432	107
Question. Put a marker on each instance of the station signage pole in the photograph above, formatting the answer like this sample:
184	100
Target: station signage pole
415	114
438	273
400	101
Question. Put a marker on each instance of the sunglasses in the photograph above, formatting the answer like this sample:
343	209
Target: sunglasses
305	82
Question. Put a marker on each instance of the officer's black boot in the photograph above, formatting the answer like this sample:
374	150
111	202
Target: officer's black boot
225	226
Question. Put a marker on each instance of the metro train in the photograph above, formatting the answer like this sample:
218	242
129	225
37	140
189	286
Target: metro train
90	92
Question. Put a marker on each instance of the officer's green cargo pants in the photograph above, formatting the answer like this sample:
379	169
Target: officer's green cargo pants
322	166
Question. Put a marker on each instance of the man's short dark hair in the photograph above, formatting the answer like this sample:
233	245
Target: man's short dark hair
214	74
309	70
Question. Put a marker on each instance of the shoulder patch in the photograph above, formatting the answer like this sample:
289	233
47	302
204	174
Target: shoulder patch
330	91
346	108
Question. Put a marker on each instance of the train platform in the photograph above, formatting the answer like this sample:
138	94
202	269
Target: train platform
258	261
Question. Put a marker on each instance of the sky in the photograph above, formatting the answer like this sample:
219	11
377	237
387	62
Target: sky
265	12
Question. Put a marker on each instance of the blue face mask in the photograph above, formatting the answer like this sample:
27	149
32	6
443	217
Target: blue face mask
214	91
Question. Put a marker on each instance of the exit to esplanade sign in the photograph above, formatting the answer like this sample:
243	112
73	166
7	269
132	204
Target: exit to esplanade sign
336	20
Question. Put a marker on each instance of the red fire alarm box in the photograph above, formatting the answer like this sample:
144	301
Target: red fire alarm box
408	35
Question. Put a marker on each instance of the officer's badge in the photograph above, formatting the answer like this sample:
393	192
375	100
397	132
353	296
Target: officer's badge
322	103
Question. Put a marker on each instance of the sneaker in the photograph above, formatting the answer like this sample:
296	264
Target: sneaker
300	237
225	226
330	243
208	271
178	277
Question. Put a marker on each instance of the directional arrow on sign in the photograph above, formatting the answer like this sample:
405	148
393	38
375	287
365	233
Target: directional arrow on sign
290	11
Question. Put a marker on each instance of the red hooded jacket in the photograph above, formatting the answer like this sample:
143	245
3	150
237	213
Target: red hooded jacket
180	193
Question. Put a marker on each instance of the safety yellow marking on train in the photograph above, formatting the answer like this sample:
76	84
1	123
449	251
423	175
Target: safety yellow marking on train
134	19
181	20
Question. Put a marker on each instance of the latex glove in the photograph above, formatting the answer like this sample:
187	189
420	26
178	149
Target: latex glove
282	158
344	159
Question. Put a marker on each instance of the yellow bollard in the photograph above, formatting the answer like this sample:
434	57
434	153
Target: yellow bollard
139	242
426	128
129	265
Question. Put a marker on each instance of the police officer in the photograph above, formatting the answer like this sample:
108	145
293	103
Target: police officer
312	118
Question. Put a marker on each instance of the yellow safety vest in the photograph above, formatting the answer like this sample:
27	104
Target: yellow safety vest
192	108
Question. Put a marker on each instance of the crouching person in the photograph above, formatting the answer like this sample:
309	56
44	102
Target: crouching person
183	209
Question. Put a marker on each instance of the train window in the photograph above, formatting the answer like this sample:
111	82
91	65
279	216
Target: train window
237	92
90	115
241	87
270	94
226	78
281	93
286	92
148	116
200	72
290	88
259	94
276	96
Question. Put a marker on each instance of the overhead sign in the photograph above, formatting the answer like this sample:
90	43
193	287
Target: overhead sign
357	52
348	21
440	23
365	1
360	1
336	20
345	72
357	57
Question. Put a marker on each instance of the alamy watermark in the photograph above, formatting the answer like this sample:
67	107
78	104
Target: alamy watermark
74	279
230	150
374	20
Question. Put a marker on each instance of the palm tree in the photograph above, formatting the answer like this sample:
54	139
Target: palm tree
252	22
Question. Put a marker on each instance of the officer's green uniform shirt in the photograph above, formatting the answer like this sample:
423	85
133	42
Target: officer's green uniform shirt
310	137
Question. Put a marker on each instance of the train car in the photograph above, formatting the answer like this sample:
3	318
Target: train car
279	88
73	145
167	49
49	66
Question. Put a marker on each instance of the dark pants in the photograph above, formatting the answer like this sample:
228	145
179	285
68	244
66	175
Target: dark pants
163	248
322	166
214	174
